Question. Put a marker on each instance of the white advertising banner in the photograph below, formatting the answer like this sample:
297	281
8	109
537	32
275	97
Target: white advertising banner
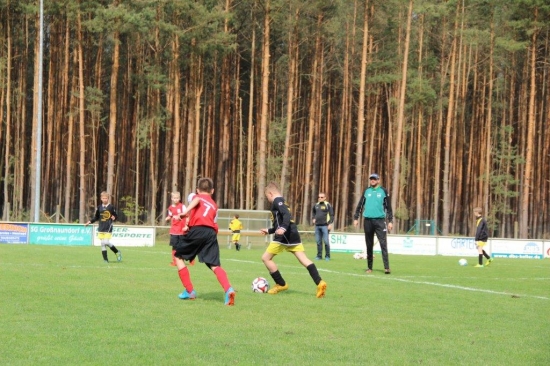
413	245
547	249
130	236
459	247
347	243
517	248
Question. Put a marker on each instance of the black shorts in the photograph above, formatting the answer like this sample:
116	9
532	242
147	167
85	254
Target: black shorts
201	241
175	240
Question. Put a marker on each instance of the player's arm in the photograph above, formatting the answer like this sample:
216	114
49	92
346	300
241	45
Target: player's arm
286	217
330	213
191	206
114	215
93	219
387	207
358	210
389	211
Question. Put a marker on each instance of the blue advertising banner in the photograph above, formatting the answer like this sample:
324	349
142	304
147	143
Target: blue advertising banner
55	234
11	233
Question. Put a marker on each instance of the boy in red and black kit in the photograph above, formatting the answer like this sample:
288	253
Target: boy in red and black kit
177	224
202	241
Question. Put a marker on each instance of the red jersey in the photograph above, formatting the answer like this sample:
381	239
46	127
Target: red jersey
205	213
178	223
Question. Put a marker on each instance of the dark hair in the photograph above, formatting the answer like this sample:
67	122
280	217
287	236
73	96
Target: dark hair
205	185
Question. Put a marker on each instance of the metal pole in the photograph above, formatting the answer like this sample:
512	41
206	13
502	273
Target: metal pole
39	118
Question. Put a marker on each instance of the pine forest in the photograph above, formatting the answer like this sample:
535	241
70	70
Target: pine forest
448	100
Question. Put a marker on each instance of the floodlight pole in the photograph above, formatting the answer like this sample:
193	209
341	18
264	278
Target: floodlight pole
38	167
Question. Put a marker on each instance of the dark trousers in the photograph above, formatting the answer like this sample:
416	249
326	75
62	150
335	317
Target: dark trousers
378	227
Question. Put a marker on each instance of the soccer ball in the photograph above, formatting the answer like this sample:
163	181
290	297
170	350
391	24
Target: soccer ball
463	262
260	284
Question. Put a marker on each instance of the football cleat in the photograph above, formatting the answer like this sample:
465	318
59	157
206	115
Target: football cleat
188	296
277	288
119	256
230	297
321	289
479	266
489	261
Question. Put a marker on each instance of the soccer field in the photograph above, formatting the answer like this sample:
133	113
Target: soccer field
64	306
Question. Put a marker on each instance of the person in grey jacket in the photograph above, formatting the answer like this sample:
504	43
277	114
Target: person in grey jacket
323	217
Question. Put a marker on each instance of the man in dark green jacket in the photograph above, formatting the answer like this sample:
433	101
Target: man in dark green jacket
375	207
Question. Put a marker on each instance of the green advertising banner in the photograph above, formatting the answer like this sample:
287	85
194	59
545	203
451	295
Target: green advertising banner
55	234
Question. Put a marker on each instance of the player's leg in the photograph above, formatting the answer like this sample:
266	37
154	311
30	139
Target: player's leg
185	278
300	254
479	254
107	237
369	241
209	253
487	256
280	284
381	234
174	241
235	239
318	240
185	250
325	239
104	249
238	237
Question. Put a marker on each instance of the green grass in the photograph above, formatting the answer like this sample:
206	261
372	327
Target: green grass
64	306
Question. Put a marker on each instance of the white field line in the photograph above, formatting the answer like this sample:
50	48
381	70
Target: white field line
116	266
394	278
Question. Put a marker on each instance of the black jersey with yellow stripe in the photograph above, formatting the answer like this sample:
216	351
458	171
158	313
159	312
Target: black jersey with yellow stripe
281	218
104	215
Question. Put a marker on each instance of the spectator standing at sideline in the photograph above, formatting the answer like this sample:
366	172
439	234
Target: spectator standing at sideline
323	217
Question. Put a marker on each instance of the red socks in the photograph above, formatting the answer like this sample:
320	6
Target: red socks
185	279
221	275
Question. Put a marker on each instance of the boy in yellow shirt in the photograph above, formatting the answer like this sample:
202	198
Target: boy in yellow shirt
236	226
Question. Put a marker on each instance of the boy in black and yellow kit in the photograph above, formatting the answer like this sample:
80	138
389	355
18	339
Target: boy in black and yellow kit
482	234
286	239
106	215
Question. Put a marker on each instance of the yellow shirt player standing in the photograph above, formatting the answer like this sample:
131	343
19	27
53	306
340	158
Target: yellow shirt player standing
236	226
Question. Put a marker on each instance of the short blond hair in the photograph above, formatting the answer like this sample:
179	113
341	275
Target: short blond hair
104	194
272	187
175	194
